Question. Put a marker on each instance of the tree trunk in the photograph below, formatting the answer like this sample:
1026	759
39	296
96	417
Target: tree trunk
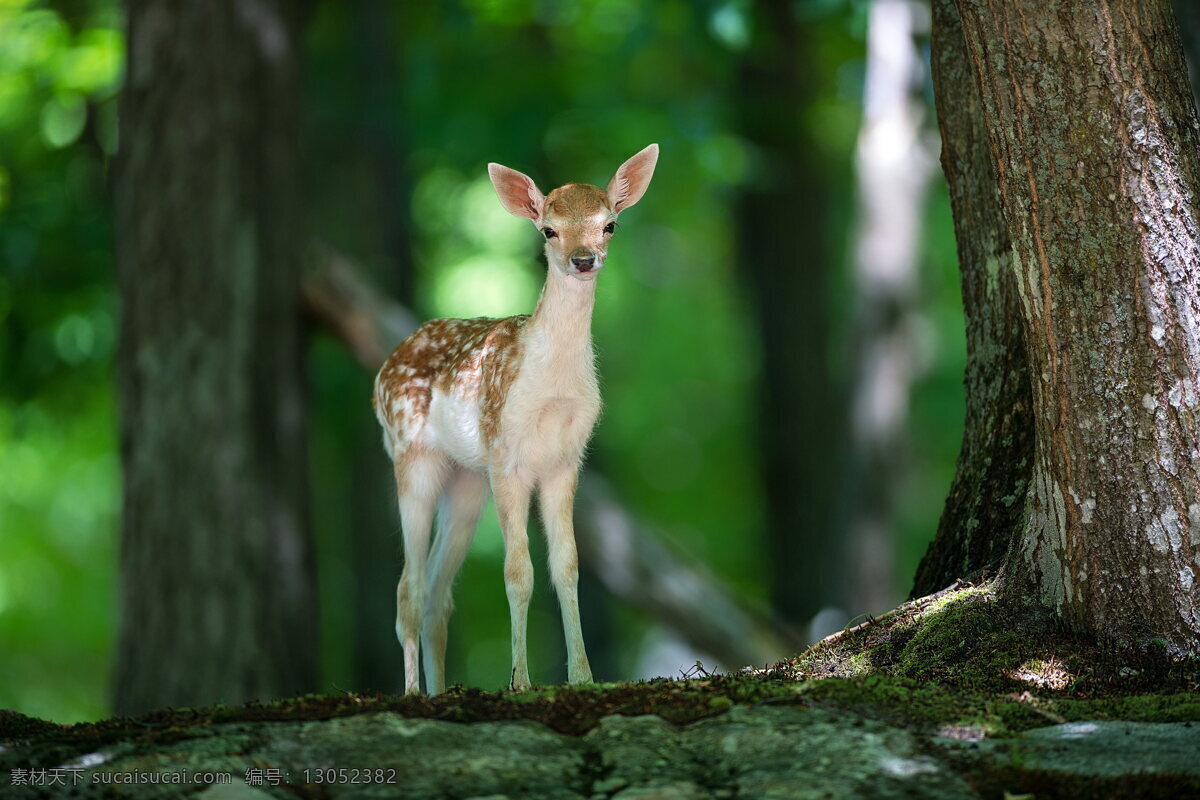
785	248
378	661
893	168
995	462
1093	133
217	596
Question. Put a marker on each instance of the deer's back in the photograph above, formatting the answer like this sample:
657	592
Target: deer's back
444	387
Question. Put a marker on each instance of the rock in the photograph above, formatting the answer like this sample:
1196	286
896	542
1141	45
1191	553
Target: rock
766	751
1103	748
668	791
802	753
784	752
238	790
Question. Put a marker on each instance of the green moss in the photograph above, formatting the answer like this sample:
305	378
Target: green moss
962	641
18	726
1183	707
966	595
925	707
972	640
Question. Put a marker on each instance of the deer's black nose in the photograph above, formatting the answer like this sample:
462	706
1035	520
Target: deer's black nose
583	264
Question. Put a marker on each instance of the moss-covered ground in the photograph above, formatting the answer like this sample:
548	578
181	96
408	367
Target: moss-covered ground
960	665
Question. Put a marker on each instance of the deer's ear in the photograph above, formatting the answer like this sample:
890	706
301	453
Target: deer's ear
518	193
631	180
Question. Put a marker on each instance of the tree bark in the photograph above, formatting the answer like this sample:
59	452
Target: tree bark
1093	133
986	500
217	598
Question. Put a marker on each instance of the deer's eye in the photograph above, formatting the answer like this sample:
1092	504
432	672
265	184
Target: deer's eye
549	232
610	228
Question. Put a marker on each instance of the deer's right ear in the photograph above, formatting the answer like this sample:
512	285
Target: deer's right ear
631	180
518	193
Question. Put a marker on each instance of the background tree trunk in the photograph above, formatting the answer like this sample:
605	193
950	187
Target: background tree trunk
785	247
1091	124
378	662
1187	13
893	167
987	498
217	590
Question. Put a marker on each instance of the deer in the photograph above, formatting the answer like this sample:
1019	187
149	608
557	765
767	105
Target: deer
506	406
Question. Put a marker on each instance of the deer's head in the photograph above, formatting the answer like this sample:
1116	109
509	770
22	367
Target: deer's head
577	220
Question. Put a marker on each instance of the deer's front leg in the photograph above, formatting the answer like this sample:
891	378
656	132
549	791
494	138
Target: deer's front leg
512	506
557	501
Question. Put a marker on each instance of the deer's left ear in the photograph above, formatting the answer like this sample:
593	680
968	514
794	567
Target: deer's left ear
518	193
631	180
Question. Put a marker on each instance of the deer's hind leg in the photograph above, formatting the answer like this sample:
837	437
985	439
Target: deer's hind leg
458	514
419	478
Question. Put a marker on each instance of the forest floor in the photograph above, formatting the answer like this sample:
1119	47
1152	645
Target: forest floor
954	695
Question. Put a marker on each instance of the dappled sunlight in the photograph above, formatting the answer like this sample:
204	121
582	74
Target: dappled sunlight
962	732
1048	673
907	767
1077	730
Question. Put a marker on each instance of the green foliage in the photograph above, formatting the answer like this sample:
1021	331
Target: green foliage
59	474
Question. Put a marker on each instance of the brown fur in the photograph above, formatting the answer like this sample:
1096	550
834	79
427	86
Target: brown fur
577	201
463	356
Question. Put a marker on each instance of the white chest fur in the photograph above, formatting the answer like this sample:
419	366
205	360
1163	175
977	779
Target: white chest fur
552	406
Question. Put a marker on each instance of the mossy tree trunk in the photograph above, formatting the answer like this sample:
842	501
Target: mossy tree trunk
217	598
987	497
1093	136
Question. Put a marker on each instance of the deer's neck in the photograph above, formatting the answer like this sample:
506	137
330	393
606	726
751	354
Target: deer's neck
560	330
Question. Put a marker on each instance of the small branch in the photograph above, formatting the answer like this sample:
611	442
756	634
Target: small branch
365	320
631	561
643	570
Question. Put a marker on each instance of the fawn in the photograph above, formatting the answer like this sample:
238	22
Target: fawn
508	403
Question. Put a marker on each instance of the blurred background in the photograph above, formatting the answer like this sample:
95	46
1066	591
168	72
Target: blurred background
780	333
